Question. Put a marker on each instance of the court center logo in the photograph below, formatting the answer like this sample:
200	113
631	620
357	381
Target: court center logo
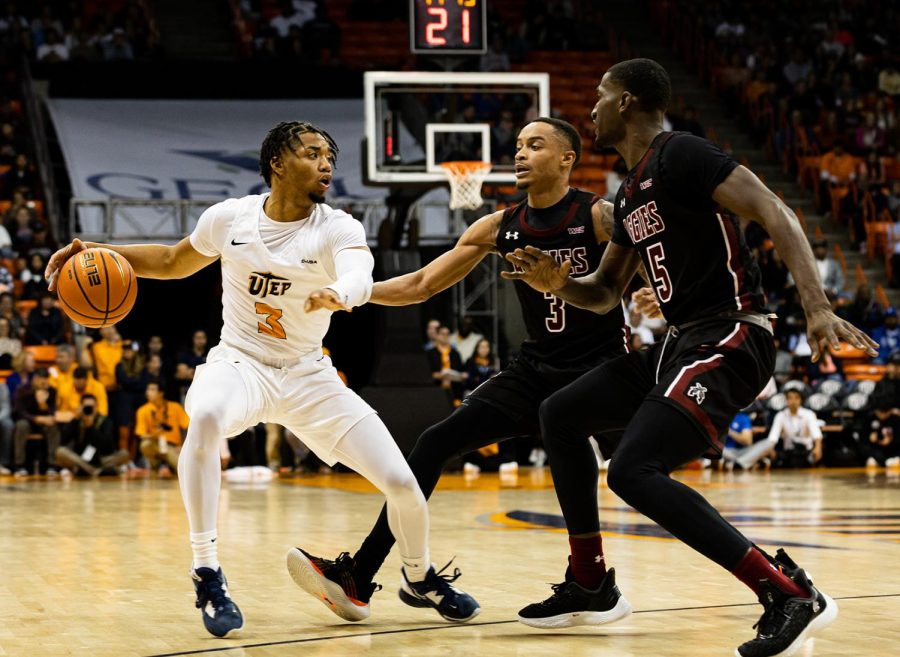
697	392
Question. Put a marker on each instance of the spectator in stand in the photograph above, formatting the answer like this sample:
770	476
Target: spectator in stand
447	365
740	449
837	173
883	446
495	59
33	279
105	354
775	275
35	409
292	13
11	143
830	272
795	431
62	373
42	243
888	336
45	322
116	47
887	391
863	311
10	346
503	136
869	136
6	433
53	49
23	365
153	371
466	338
431	329
22	175
8	310
87	444
19	228
321	37
827	367
131	386
889	81
481	366
68	399
189	360
798	68
160	425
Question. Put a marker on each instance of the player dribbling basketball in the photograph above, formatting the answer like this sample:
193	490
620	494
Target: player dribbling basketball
288	262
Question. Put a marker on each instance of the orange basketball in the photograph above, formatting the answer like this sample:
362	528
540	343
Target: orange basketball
97	287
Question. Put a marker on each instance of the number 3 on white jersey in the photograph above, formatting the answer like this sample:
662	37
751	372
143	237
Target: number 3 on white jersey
661	281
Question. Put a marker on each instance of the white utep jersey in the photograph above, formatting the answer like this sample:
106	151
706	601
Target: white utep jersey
263	293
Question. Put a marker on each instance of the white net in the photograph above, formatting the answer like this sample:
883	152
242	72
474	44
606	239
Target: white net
465	179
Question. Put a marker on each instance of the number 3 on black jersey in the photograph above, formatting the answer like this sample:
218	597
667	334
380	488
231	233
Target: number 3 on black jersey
661	281
556	320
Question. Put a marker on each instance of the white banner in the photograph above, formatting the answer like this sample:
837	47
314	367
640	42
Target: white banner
190	149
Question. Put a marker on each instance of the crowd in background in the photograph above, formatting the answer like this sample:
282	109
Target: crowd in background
98	30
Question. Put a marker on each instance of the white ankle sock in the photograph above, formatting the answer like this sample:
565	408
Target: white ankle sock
416	569
203	545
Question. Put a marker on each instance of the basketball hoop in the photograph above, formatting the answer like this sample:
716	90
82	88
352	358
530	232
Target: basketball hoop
465	179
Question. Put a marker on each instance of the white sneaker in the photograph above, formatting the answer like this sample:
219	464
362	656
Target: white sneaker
509	467
65	473
470	468
871	463
538	457
4	470
21	473
893	462
52	473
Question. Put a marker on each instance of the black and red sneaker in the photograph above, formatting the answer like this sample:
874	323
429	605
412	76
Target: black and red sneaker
332	582
788	621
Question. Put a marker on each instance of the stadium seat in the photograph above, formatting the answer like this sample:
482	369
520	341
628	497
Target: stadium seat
44	355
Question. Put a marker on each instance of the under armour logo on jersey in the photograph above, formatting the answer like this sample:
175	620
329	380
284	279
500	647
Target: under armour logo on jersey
622	203
598	558
697	392
512	235
263	284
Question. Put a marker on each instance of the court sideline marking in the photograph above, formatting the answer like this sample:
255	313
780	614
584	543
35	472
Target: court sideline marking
288	642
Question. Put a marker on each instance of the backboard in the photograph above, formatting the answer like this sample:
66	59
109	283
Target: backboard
416	120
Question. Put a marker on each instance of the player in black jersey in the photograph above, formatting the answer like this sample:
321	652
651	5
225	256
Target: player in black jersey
675	399
564	343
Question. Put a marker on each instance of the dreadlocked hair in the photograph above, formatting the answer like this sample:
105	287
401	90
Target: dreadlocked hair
286	136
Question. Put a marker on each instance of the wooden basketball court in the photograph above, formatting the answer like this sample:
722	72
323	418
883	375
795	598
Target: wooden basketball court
100	568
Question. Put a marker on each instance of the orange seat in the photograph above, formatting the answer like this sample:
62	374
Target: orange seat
862	372
4	374
44	355
25	306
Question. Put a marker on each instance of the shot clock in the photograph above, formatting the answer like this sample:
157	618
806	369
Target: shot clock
448	27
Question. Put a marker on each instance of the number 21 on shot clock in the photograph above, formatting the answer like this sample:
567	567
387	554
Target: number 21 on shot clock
448	27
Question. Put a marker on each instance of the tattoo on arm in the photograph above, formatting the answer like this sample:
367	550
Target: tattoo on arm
606	218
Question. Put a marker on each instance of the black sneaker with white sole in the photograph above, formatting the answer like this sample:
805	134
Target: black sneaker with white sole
437	592
788	621
571	604
221	617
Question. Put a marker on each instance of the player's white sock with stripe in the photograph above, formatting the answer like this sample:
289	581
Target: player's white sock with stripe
206	554
416	568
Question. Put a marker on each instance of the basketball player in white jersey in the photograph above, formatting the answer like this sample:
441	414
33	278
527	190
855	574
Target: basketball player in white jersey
288	262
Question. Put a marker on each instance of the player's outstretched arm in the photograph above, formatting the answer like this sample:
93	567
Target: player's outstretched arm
745	195
645	298
447	269
148	260
600	291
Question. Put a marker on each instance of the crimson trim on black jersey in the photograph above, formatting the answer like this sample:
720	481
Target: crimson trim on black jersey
553	230
630	180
